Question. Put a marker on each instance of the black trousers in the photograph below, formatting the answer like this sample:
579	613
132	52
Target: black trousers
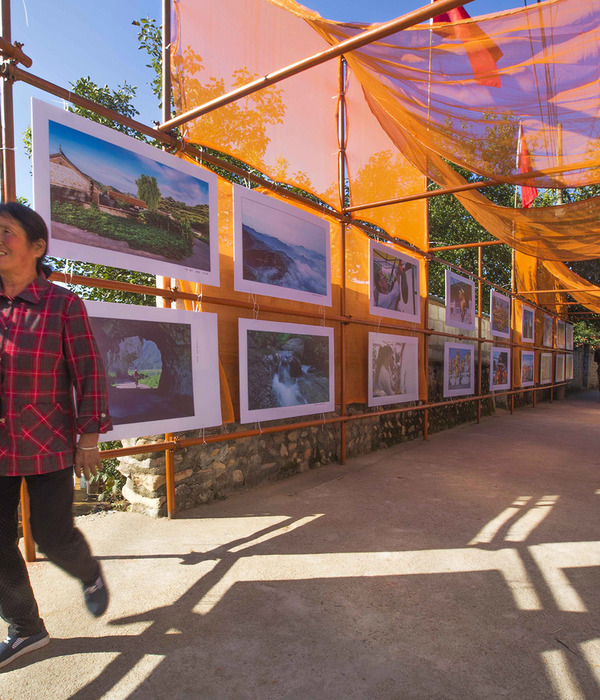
51	499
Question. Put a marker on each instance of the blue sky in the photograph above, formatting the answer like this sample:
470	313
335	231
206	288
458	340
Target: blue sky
120	168
69	39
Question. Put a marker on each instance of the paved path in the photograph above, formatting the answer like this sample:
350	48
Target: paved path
464	567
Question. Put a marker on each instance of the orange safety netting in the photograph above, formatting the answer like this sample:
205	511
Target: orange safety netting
423	98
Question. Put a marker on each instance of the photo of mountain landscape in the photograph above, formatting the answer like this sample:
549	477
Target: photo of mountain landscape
111	199
280	251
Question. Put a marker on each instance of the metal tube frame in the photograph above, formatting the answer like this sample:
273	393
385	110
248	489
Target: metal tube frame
10	73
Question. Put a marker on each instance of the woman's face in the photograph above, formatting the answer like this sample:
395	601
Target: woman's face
17	253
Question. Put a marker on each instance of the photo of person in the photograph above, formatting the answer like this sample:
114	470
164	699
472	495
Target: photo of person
394	369
527	324
394	284
459	376
527	368
499	314
460	301
499	368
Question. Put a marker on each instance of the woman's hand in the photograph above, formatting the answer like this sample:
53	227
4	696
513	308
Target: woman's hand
87	456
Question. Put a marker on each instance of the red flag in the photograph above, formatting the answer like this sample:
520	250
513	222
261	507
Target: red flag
525	165
482	52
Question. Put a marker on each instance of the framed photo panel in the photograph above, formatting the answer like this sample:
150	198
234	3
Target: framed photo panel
527	368
527	324
280	250
561	334
569	336
393	369
560	368
162	368
459	364
110	199
286	370
460	301
499	368
547	333
546	368
394	290
499	315
568	366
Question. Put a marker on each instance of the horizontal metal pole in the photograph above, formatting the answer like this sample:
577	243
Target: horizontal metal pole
367	37
482	244
180	443
14	51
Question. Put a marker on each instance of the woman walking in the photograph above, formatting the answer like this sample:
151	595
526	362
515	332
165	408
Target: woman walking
47	354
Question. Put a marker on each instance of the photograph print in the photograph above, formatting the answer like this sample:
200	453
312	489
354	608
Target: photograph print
569	336
559	375
547	335
280	250
459	364
546	368
110	199
568	367
561	334
499	368
527	324
527	368
394	289
393	369
499	314
162	368
460	301
286	370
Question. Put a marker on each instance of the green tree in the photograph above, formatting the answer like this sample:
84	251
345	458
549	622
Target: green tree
148	191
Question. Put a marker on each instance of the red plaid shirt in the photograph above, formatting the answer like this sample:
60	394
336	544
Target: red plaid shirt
46	349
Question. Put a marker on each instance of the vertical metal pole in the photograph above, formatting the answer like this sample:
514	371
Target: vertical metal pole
512	323
170	477
25	515
479	343
166	60
426	335
341	127
9	192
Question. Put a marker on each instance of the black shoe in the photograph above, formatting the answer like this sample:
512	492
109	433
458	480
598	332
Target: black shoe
13	647
96	597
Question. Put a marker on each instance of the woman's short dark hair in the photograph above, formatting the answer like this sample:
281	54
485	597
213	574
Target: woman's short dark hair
34	226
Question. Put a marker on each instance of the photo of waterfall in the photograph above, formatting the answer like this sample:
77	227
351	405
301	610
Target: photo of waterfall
286	370
393	369
162	368
460	301
394	287
280	250
459	369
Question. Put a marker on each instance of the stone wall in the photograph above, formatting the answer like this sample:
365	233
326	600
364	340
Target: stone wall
215	470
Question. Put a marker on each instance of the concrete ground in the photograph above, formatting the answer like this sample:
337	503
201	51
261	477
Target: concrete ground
467	566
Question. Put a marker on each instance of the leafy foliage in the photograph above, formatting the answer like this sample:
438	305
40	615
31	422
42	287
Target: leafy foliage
138	235
148	191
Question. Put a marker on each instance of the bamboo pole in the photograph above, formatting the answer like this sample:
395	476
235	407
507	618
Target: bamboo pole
369	36
481	244
14	52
